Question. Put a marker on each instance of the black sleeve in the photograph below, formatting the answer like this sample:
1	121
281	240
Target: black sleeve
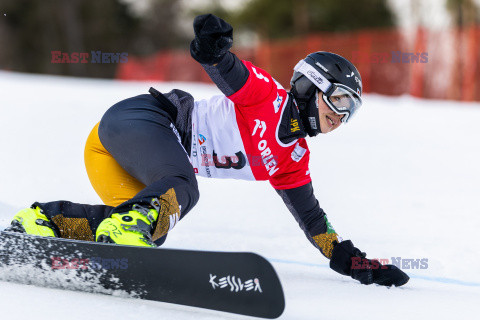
230	74
311	218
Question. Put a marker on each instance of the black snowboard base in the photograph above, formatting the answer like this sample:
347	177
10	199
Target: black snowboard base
236	282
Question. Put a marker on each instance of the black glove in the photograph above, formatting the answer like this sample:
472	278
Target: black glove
213	39
350	261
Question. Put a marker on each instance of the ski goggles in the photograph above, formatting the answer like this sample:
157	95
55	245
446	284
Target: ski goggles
339	98
343	101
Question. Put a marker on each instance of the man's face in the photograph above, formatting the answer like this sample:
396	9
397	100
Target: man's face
329	120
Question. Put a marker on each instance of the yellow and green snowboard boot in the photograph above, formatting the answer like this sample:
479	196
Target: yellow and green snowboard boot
32	221
134	227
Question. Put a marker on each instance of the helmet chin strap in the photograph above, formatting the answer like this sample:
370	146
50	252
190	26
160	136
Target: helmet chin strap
318	117
319	127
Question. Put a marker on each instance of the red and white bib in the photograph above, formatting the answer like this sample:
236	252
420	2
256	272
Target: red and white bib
237	136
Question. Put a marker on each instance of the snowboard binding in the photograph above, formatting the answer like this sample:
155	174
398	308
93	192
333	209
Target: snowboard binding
134	227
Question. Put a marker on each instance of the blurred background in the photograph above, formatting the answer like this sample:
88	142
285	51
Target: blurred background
425	48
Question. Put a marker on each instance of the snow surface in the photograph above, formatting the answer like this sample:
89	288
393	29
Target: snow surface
401	180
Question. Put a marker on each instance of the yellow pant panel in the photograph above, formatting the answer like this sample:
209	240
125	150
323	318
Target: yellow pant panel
111	182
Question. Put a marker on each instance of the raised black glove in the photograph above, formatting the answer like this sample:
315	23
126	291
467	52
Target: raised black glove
350	261
213	39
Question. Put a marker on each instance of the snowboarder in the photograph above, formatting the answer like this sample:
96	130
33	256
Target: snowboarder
142	157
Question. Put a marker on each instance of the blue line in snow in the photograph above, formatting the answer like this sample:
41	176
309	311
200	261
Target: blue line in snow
427	278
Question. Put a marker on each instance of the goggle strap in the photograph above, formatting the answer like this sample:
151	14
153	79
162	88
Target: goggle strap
314	76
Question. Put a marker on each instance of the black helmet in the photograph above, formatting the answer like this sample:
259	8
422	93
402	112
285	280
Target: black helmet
336	77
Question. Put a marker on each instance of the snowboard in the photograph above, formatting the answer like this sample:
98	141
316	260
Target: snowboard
236	282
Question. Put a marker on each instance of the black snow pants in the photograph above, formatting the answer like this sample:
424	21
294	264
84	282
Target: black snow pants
139	133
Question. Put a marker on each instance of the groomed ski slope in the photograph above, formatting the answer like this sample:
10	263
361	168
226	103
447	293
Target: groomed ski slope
400	180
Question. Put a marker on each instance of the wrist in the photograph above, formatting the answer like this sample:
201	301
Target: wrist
342	254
